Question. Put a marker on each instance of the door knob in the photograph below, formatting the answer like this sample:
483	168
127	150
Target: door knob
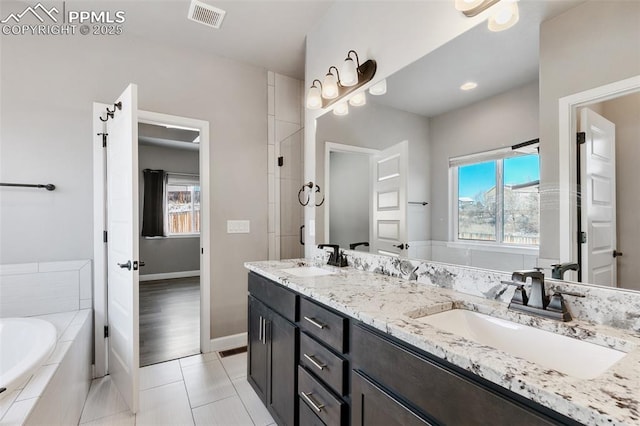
617	253
402	246
125	265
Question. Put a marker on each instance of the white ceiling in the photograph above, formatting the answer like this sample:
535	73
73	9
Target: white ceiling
496	61
266	33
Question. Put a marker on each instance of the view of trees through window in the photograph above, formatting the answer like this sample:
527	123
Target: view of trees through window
183	205
500	207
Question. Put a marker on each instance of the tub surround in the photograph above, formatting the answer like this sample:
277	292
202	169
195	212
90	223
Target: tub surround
55	393
390	293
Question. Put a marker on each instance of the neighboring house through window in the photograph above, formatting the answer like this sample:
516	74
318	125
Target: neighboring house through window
495	197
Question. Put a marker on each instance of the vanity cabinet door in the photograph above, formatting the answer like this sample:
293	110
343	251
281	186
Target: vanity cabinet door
372	406
283	340
256	348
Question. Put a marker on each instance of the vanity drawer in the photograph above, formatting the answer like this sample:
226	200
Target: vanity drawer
320	400
440	393
274	295
324	325
329	367
307	417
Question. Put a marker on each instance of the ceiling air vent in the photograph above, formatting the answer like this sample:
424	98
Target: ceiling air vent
206	14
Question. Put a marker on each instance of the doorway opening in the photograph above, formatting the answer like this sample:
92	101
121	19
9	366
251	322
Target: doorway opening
597	195
169	202
200	283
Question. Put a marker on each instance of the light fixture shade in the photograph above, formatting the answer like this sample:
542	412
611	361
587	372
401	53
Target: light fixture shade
465	5
505	16
341	108
358	99
314	98
349	73
330	86
380	88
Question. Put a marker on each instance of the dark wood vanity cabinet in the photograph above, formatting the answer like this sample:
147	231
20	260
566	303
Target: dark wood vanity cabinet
272	349
391	380
313	366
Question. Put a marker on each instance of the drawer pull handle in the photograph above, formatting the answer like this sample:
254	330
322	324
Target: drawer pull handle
315	405
316	323
313	361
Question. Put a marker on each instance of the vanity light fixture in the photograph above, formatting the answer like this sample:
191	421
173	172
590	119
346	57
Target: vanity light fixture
330	84
474	7
469	85
336	85
505	16
314	97
358	99
341	108
380	88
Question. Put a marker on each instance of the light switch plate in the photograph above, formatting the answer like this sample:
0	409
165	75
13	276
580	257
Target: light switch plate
238	227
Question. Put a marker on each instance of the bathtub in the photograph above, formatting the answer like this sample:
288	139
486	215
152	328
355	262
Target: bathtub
25	343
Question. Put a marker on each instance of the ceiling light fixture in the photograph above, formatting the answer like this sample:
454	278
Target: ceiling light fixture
336	85
380	88
469	85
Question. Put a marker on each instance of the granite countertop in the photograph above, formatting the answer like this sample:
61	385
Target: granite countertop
393	305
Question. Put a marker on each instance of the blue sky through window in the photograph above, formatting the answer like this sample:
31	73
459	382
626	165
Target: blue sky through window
478	178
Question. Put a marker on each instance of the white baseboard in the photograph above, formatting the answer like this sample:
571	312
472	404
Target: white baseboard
169	275
228	342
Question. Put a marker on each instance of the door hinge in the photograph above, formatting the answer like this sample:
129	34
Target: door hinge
104	236
280	161
582	238
104	139
106	331
581	138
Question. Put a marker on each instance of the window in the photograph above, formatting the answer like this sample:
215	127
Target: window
497	198
183	205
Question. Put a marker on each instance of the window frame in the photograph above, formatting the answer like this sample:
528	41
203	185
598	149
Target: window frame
498	155
183	179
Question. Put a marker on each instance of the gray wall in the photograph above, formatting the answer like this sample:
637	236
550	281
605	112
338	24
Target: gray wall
503	120
48	87
625	113
378	127
350	198
586	47
163	255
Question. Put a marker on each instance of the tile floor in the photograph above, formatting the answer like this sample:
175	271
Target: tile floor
197	390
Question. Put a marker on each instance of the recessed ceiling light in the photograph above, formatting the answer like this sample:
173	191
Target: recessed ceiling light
469	85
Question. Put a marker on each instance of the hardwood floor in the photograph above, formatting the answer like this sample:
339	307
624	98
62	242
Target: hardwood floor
169	319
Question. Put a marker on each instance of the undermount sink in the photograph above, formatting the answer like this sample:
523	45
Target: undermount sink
570	356
307	271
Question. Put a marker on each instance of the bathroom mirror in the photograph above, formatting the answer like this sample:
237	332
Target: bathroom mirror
456	141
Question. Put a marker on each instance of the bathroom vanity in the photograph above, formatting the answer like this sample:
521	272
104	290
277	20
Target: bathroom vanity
342	346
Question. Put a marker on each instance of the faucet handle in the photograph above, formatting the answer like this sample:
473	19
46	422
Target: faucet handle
520	295
556	304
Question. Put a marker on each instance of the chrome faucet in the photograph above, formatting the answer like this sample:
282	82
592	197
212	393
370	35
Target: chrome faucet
537	302
337	257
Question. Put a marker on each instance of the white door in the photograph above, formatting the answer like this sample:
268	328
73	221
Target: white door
122	252
389	206
598	195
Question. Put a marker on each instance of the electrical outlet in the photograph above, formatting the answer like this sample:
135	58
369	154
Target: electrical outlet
238	227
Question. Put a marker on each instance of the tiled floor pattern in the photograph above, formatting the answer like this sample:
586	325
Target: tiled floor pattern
198	390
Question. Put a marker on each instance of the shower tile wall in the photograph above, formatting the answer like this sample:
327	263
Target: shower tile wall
285	118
